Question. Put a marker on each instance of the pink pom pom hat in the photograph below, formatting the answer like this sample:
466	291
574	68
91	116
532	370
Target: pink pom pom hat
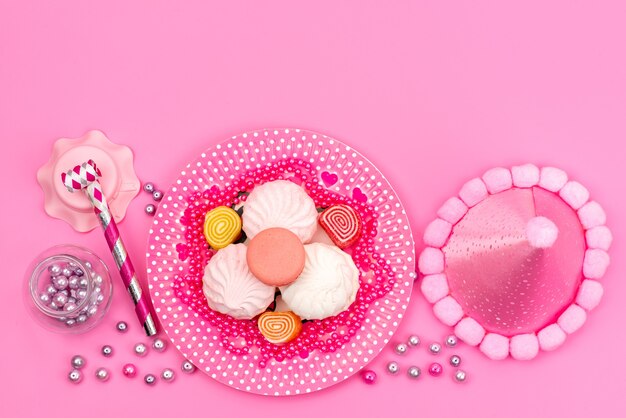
513	262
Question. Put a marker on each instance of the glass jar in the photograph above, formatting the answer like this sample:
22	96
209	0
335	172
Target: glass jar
68	289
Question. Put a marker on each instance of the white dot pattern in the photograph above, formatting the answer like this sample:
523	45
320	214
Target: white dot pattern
194	337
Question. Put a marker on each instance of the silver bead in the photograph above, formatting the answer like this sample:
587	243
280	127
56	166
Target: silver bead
107	350
102	374
88	265
78	362
434	348
150	209
157	195
455	360
414	372
158	344
188	367
69	307
54	305
79	272
60	299
392	367
81	319
44	298
168	375
414	341
460	376
67	272
51	290
401	348
60	282
100	299
70	322
150	379
140	349
83	283
54	270
75	376
98	280
92	310
73	282
148	187
451	341
121	326
81	294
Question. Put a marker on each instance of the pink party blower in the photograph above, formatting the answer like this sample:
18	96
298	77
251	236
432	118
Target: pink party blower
85	177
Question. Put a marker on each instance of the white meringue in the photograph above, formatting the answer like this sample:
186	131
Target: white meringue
327	286
230	288
280	204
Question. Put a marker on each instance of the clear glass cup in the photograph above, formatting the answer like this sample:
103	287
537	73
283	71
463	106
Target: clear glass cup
68	289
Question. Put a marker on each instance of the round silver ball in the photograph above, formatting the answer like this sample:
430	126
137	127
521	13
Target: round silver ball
150	209
70	322
148	187
81	318
78	361
44	298
414	341
168	375
79	272
414	372
455	360
121	326
102	374
188	367
401	348
393	367
54	270
150	379
157	195
140	349
434	348
51	290
451	341
67	272
460	376
107	350
159	344
75	376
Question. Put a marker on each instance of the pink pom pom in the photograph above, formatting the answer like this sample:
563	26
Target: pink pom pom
431	261
551	337
524	346
448	311
552	179
589	294
497	180
435	287
469	331
591	215
526	175
437	233
595	264
574	194
473	192
453	210
495	346
599	237
572	319
541	232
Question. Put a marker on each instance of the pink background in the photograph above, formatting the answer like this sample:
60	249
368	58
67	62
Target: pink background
432	92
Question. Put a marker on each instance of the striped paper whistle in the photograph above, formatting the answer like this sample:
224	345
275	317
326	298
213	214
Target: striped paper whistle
85	177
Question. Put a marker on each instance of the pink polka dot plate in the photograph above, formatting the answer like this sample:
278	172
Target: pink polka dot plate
334	348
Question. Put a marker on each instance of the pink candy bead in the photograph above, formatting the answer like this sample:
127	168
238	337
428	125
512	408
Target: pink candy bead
369	376
322	335
129	370
435	369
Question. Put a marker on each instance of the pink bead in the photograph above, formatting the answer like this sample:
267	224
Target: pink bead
453	210
552	179
551	337
469	331
473	192
435	287
591	215
129	370
369	376
448	311
524	346
437	233
435	369
431	261
495	346
526	175
599	237
497	180
572	319
574	194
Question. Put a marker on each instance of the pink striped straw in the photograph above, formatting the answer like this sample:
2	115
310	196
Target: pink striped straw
85	177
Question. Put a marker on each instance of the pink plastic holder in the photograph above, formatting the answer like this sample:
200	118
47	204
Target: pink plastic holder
119	181
515	271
